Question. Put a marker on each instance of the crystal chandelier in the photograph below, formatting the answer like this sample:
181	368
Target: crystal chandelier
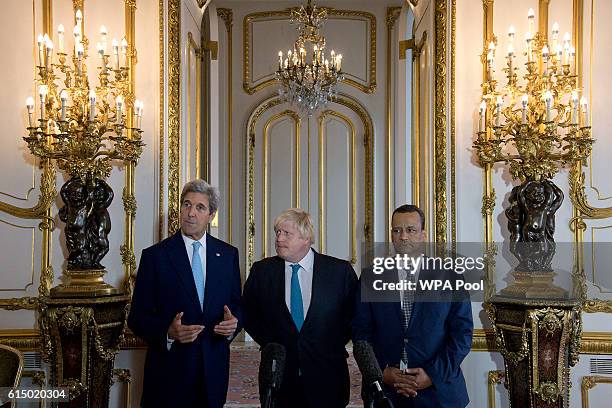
540	124
309	83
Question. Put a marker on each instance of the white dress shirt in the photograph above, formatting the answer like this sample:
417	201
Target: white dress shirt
304	276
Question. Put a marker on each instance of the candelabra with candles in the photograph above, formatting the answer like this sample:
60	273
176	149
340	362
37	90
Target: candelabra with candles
84	128
536	127
309	84
544	125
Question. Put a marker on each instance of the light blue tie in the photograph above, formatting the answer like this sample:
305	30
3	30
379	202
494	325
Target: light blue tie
198	272
297	306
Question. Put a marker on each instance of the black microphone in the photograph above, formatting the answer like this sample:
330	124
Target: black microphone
271	369
372	376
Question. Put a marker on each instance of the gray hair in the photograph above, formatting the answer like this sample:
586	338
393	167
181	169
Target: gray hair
200	186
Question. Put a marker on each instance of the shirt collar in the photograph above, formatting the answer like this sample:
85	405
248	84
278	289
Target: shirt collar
189	241
306	262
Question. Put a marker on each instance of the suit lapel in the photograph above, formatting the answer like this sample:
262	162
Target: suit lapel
279	292
213	268
180	261
317	281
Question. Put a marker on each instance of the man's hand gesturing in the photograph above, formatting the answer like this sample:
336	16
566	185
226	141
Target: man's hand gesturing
183	333
229	324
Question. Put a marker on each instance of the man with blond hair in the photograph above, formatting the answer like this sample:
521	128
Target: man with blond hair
304	301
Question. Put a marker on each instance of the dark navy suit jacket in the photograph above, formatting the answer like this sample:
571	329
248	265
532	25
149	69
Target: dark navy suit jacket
318	350
165	287
439	336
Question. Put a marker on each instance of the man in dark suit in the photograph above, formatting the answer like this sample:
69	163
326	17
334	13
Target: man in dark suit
186	306
419	340
305	301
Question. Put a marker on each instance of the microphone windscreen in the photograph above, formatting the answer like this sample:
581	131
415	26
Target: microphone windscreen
269	375
366	361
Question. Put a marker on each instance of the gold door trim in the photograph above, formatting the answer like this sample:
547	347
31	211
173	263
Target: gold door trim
353	198
589	382
271	102
250	87
393	14
228	17
173	74
296	177
494	377
192	45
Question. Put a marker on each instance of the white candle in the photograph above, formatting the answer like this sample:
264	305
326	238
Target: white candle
559	55
524	101
528	39
41	56
124	45
80	51
574	108
60	37
510	57
64	99
498	106
42	92
116	53
489	65
585	111
119	103
548	98
79	20
339	57
103	34
531	20
140	114
555	35
101	54
76	31
30	107
92	105
545	55
49	59
572	60
511	33
280	60
482	111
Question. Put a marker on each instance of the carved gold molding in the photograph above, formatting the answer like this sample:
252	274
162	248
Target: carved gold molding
393	14
174	114
453	133
589	382
124	375
595	343
251	88
440	121
228	18
494	377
